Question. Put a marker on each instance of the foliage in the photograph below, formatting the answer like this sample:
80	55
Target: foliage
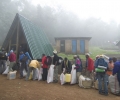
94	51
57	22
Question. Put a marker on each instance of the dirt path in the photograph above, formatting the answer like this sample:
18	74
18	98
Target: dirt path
19	89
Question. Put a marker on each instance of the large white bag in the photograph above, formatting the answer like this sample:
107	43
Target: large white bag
50	74
24	73
85	82
40	74
36	73
114	84
6	71
62	79
73	75
8	62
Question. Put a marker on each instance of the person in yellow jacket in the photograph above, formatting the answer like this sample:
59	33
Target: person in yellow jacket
32	67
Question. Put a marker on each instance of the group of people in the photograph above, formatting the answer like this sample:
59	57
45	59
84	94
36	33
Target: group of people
103	70
100	69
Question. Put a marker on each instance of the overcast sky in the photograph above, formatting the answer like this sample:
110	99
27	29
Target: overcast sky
107	10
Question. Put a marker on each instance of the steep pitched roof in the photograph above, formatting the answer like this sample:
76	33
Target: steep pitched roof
36	38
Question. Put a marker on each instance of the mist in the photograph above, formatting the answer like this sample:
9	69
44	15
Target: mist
58	22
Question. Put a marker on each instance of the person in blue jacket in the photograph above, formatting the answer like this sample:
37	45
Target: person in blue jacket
24	59
116	70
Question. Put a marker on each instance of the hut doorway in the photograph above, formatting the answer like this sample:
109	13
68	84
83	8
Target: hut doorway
62	45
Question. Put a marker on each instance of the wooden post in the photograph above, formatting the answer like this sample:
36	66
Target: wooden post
9	45
17	40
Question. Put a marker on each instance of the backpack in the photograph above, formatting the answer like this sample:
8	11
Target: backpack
48	60
101	62
24	59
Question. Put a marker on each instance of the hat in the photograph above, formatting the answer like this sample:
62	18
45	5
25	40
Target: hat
75	55
55	51
11	51
87	54
97	56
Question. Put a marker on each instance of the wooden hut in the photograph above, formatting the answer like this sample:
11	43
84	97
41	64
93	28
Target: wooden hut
72	45
25	36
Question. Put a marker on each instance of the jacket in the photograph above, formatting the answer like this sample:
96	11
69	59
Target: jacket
78	64
67	66
21	57
116	69
28	56
44	65
90	64
12	57
35	64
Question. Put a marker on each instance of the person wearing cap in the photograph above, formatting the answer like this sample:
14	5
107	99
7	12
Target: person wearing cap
12	59
56	65
32	67
102	76
78	64
66	66
89	66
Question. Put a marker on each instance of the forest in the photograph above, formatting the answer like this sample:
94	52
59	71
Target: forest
57	22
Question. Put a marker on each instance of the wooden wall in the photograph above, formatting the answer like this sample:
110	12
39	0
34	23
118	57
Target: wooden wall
68	46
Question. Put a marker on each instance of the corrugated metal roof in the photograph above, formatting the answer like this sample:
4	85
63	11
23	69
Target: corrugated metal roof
36	38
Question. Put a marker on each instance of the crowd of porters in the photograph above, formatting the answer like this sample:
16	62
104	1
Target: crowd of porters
101	70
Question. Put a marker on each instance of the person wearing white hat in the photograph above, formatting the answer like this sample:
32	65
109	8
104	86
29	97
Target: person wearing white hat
89	65
56	64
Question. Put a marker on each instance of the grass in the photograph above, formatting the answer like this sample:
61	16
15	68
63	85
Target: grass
93	52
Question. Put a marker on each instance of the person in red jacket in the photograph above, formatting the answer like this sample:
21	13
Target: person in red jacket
12	59
45	67
89	66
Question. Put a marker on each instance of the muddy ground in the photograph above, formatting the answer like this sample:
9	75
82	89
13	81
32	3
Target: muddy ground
19	89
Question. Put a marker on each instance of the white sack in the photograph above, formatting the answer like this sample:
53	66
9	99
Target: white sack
114	84
62	79
6	71
40	74
24	73
50	74
36	73
73	75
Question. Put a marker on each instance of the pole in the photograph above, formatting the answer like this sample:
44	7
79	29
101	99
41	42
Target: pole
17	40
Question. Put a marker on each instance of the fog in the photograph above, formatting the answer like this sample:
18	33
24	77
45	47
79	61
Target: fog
58	21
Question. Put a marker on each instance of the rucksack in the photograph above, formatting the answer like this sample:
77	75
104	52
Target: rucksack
24	59
101	62
48	60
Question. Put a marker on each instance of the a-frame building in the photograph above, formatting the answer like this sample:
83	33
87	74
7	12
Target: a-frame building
31	38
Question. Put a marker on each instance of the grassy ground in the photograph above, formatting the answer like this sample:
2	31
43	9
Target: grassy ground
93	52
